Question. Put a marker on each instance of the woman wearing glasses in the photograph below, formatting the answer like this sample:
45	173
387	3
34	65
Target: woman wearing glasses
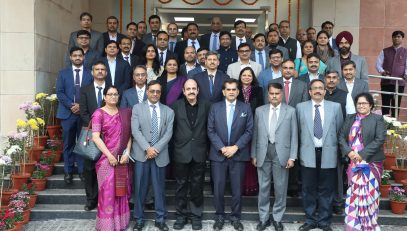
113	124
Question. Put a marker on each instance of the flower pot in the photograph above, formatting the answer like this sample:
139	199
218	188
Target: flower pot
39	184
50	170
3	207
33	200
34	153
26	216
40	141
57	156
19	180
399	174
389	161
5	199
54	131
404	182
27	167
397	207
19	225
384	190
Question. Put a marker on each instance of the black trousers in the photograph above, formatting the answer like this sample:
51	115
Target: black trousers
91	182
389	100
190	178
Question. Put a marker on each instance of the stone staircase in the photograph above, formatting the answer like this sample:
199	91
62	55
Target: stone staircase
59	201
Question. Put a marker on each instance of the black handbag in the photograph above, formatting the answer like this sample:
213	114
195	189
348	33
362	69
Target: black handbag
85	147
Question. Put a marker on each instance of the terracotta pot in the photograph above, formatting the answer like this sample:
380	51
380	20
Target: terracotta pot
3	207
19	225
389	161
6	196
13	229
39	184
19	180
57	156
399	174
33	200
397	207
50	170
384	190
27	167
404	182
34	153
54	131
40	141
26	216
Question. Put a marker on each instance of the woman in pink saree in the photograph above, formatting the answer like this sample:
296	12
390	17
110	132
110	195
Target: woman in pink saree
111	134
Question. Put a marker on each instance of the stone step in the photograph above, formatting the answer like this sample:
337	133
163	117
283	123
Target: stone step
56	211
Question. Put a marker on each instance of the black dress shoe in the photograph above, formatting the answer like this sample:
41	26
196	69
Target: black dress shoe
293	194
338	210
90	206
278	226
263	226
325	227
68	178
82	177
237	225
138	226
218	225
196	224
306	227
149	206
161	226
180	223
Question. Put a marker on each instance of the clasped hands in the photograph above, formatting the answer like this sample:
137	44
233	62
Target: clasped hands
229	151
151	153
355	157
113	161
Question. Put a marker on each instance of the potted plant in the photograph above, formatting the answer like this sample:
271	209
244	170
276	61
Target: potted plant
389	144
5	162
30	189
398	200
54	129
54	148
400	169
38	177
7	220
385	183
20	202
48	160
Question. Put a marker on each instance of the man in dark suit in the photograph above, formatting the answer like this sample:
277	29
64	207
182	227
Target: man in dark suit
190	62
68	85
211	40
240	30
227	55
190	149
136	44
193	33
210	82
313	66
138	93
155	24
172	29
112	24
259	55
162	46
125	46
96	41
118	70
91	56
90	100
230	129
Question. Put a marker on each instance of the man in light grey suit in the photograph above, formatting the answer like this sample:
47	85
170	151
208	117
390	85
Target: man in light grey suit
319	122
352	85
154	22
138	93
151	126
274	150
244	52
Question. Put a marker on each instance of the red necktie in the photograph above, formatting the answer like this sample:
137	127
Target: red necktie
287	91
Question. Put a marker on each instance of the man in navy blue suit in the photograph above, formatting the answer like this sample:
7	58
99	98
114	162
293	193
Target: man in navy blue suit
230	129
119	71
69	82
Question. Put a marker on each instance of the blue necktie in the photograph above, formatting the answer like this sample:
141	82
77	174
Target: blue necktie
172	46
193	44
154	126
77	86
161	58
215	42
261	61
99	96
317	123
230	120
241	41
211	84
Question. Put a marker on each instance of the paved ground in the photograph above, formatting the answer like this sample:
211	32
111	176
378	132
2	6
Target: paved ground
89	225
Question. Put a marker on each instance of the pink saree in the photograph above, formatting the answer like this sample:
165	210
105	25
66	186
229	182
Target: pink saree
113	211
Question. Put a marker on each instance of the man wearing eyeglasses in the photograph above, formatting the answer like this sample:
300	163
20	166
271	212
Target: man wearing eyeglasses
136	94
91	56
244	52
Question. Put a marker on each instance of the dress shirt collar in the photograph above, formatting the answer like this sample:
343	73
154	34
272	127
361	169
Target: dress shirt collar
80	68
96	85
228	103
321	104
142	89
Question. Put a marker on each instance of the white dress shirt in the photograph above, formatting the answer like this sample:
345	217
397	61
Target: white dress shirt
80	73
238	41
318	142
97	90
228	107
143	90
289	86
157	109
124	58
211	40
271	113
196	45
350	105
112	68
312	76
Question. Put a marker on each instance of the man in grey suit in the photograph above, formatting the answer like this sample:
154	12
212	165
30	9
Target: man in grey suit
319	122
155	24
138	93
313	60
244	52
272	39
172	29
344	41
351	85
151	126
274	150
96	39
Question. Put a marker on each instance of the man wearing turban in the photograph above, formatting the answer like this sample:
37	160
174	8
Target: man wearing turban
344	42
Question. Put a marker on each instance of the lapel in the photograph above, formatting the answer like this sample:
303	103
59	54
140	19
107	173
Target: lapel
218	82
223	116
266	113
281	116
93	95
237	111
327	118
148	115
163	115
117	71
200	112
308	115
70	78
184	116
292	90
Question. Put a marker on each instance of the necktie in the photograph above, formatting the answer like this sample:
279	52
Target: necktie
241	41
193	44
77	85
172	46
211	84
273	125
127	59
261	61
140	96
99	96
154	40
287	91
161	58
317	123
215	42
154	126
230	120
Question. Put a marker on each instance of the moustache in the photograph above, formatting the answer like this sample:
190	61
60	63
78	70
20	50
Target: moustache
314	66
191	94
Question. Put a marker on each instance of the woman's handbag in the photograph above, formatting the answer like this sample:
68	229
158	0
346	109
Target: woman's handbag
85	146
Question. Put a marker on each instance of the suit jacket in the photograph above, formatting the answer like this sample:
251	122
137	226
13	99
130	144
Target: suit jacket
206	40
235	68
256	97
180	47
190	143
241	133
130	98
298	91
305	78
91	57
361	66
148	39
183	69
138	47
203	83
281	48
373	133
333	120
65	88
248	41
286	136
134	60
264	78
193	72
359	86
96	41
141	131
88	103
106	38
123	75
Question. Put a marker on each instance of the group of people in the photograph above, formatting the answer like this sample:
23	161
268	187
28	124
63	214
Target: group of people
157	102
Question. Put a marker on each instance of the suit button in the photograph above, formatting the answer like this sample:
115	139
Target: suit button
192	139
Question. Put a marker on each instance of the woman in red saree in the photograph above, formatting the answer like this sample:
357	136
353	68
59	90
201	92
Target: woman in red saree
111	133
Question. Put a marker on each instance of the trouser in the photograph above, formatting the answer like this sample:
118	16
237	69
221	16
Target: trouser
389	100
71	128
91	182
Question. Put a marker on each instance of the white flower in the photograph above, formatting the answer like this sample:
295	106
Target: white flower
7	160
52	97
389	119
388	132
397	124
13	150
405	138
2	162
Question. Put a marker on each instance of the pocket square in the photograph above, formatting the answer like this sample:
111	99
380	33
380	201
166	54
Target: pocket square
244	114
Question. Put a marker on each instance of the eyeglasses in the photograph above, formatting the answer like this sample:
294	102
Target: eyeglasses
113	95
83	37
318	88
244	51
362	104
155	91
140	74
230	89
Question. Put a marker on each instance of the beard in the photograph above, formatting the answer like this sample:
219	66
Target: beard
344	50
